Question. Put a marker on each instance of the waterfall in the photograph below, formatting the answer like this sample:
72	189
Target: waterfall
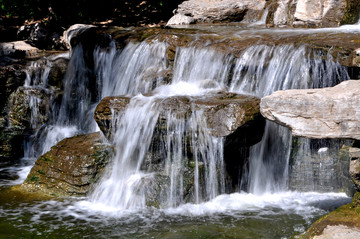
143	68
130	186
261	70
133	133
131	70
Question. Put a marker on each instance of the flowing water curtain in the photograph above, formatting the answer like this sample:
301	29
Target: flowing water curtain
261	70
208	153
125	186
138	68
204	66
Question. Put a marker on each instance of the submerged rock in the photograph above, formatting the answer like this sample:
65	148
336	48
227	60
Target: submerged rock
224	112
70	168
317	113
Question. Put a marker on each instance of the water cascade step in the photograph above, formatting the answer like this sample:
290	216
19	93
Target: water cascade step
146	73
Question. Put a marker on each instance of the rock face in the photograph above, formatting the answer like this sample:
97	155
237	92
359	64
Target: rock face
319	13
317	113
40	35
297	13
17	49
70	168
320	165
355	166
215	11
224	112
26	108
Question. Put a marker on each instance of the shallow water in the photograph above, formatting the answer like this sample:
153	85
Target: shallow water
237	215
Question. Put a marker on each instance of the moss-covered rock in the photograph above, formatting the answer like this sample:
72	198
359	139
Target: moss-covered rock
70	168
346	216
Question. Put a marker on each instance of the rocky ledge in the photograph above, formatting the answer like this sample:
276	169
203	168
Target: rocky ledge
295	13
70	168
317	113
343	223
224	112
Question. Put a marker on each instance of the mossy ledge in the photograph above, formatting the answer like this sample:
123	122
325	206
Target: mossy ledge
346	216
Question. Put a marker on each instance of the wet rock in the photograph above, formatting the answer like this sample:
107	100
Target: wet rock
17	49
40	35
224	112
74	31
343	222
320	165
317	113
25	109
70	168
355	166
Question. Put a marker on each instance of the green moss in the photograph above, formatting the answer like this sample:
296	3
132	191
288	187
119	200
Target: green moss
356	200
40	172
45	158
33	178
352	12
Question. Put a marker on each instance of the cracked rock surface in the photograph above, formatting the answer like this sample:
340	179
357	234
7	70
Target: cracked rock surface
332	112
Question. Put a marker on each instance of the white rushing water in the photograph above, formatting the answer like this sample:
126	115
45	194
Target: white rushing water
260	70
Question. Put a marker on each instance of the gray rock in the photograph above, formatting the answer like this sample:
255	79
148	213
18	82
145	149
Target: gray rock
17	49
220	10
224	112
180	19
73	31
355	166
320	13
317	113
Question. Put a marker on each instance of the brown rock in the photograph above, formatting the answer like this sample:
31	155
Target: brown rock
70	168
224	112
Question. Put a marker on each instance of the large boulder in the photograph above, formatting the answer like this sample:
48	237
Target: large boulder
297	13
317	113
224	112
42	35
17	49
215	11
70	168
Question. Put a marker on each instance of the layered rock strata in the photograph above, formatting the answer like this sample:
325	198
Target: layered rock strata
317	113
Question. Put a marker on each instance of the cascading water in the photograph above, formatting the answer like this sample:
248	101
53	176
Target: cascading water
129	71
133	175
261	70
132	136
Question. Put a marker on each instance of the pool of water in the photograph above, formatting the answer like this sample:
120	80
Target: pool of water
237	215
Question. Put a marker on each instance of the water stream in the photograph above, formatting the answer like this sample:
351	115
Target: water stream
118	205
